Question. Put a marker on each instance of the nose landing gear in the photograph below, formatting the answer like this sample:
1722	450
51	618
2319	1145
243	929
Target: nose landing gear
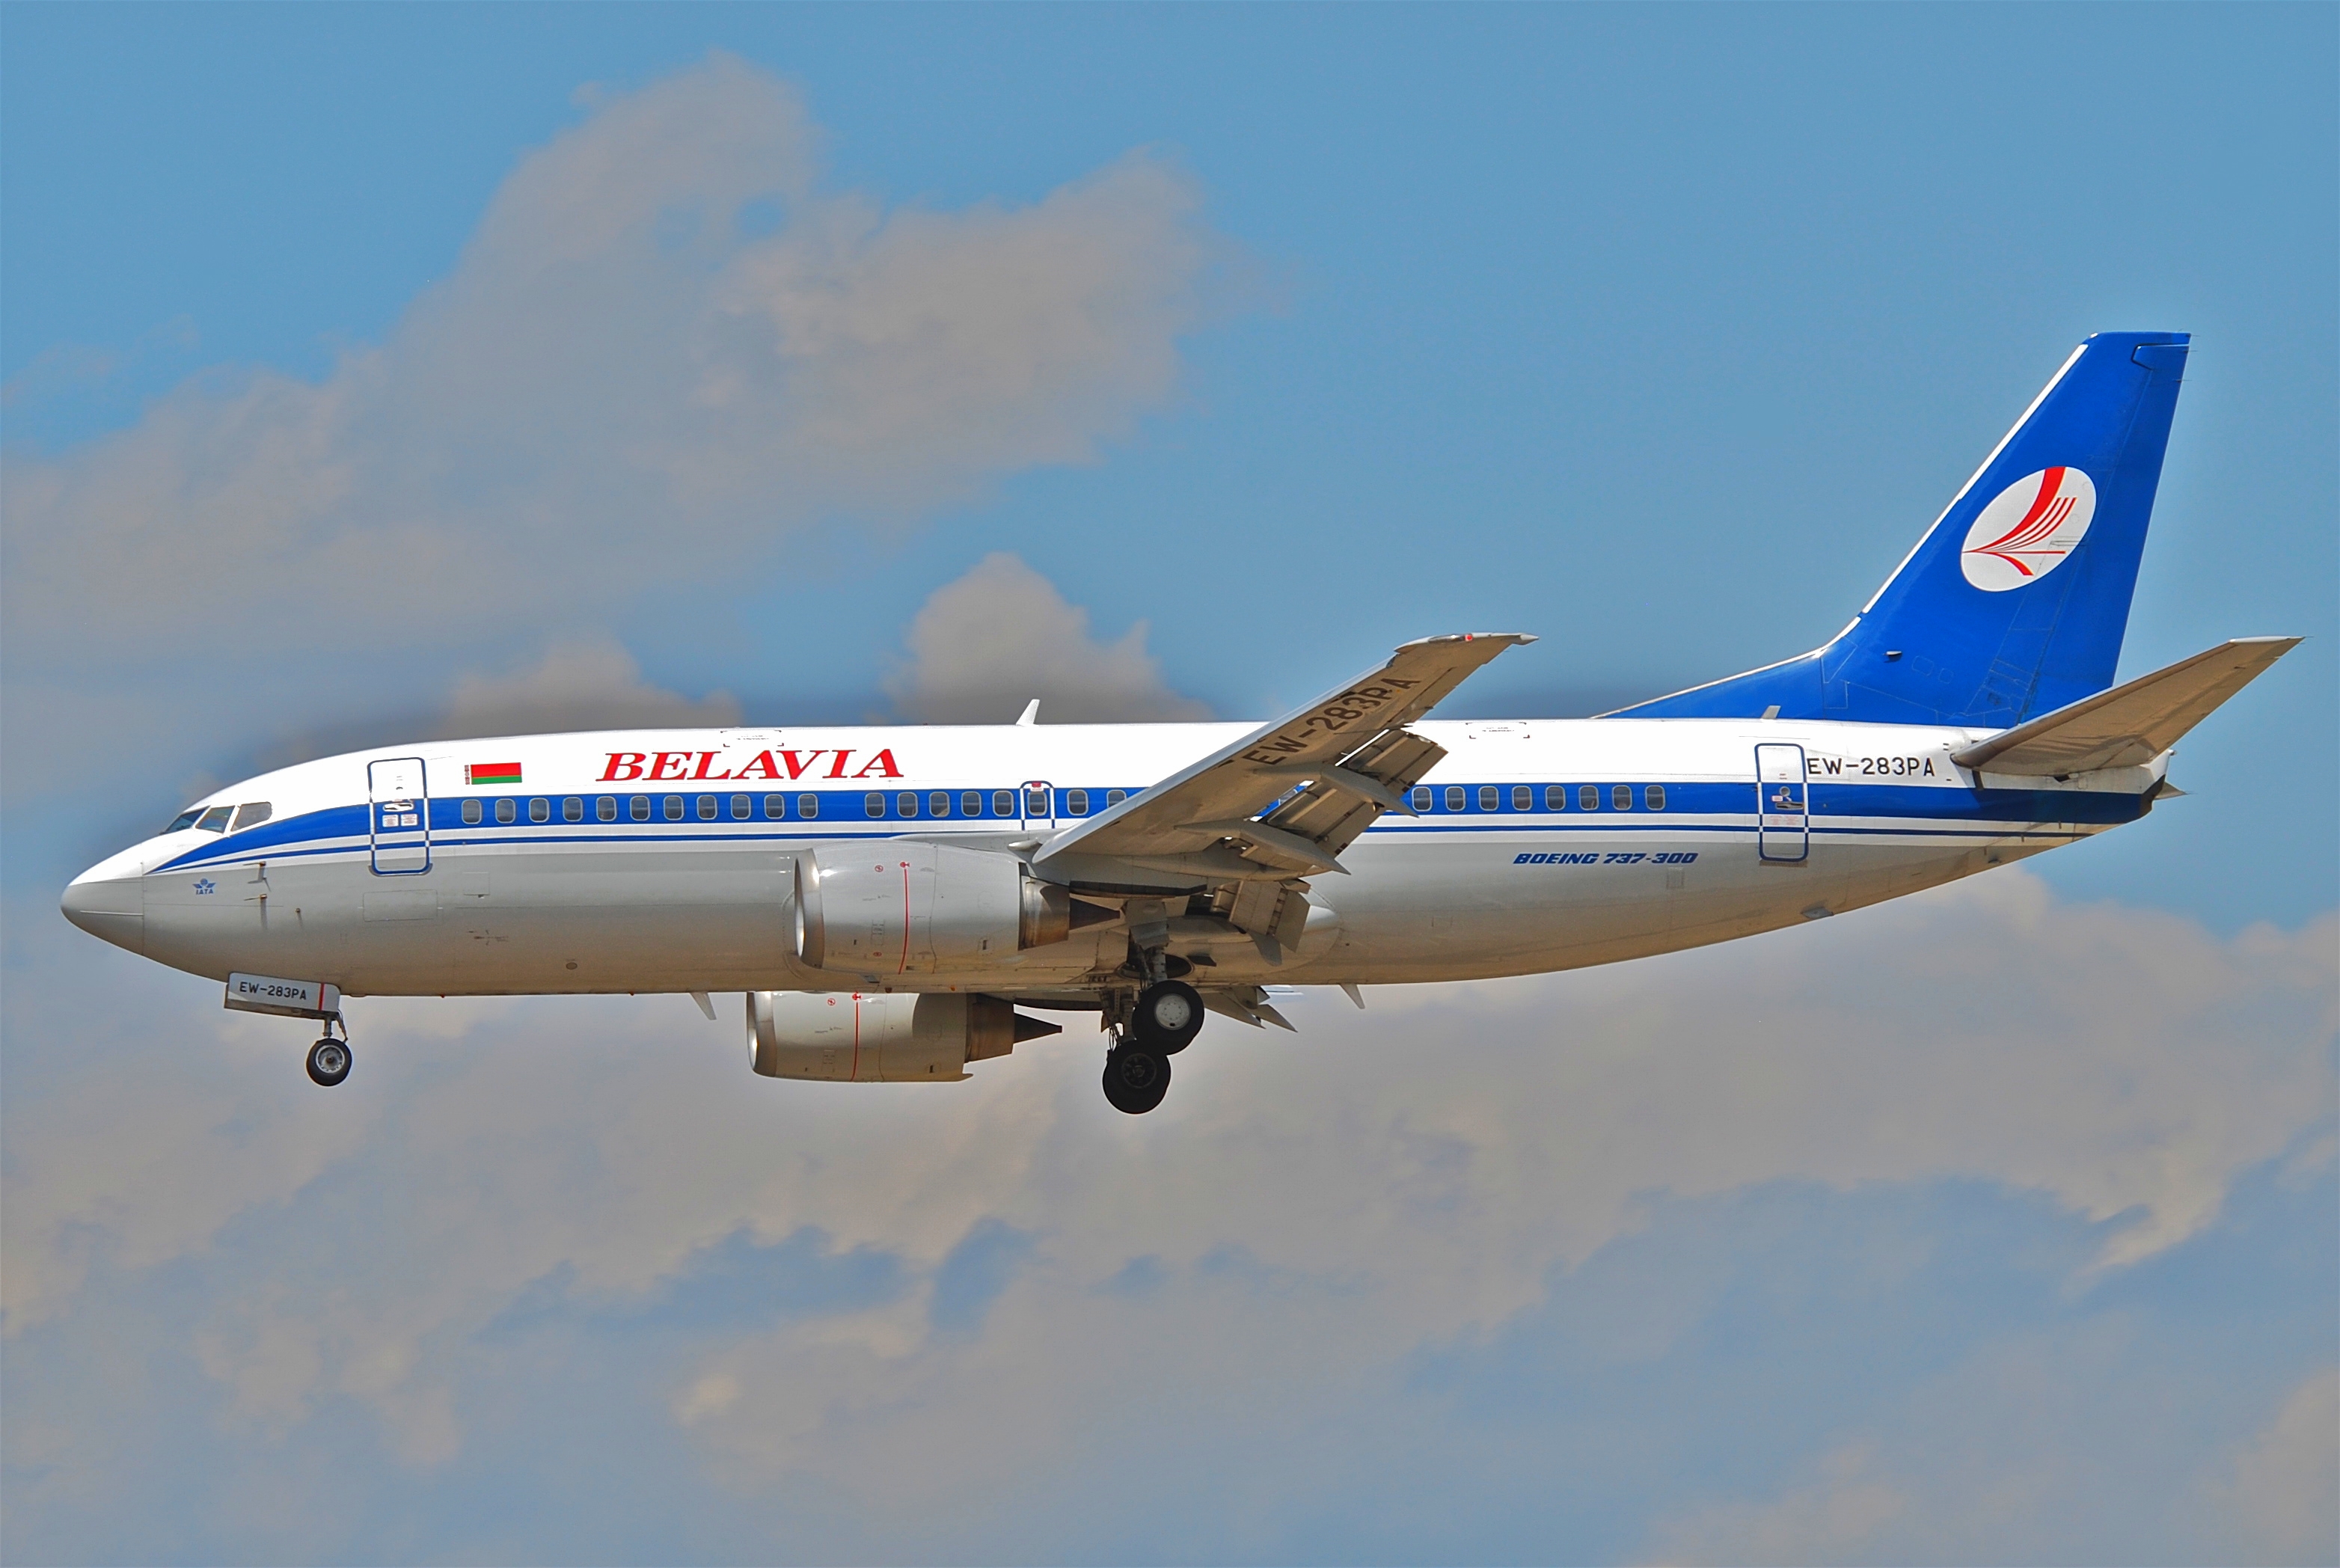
329	1059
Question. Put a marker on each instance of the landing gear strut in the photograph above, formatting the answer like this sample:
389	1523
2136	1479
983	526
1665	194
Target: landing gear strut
329	1059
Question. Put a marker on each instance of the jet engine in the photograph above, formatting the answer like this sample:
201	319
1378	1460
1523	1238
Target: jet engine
902	907
890	1038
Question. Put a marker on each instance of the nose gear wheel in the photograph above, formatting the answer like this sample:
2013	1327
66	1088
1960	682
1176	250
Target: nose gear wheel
329	1062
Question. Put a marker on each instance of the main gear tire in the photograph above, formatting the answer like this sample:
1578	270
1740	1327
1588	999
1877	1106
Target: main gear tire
1136	1078
329	1062
1168	1016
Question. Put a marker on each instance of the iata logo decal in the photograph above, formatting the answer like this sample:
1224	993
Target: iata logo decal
2028	531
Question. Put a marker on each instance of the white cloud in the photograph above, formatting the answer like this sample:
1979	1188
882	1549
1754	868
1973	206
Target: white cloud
2286	1489
584	685
1320	1207
148	1167
63	370
1835	1518
617	385
983	645
2052	1443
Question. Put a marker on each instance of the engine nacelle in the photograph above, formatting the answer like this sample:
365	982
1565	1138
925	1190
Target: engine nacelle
902	907
890	1039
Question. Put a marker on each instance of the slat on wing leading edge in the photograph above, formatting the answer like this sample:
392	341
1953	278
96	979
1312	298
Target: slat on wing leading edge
1195	807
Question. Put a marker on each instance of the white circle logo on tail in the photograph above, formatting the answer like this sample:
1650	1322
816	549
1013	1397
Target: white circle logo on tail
2028	531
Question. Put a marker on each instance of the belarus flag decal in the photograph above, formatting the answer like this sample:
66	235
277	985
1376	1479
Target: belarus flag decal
492	773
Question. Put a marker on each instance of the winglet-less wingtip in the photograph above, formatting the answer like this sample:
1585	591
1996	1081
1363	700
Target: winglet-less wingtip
1514	639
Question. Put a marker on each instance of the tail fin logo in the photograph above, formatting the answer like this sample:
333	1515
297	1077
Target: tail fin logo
2029	529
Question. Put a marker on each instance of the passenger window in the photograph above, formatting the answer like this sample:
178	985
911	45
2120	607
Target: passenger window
905	804
808	806
606	808
472	813
1077	801
251	814
572	810
506	811
1422	799
1035	803
1454	796
1003	802
874	803
938	804
1555	796
707	808
639	808
1587	797
539	811
215	819
1522	798
776	806
674	807
1621	796
741	807
1487	797
1654	796
1114	798
184	820
971	803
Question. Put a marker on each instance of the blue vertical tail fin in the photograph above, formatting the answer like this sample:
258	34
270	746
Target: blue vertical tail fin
2015	602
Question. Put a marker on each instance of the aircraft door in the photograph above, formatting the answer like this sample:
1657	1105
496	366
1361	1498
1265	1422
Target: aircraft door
1039	805
1783	804
398	812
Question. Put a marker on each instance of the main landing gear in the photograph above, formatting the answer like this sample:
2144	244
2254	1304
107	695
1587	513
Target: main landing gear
329	1059
1136	1077
1166	1020
1168	1016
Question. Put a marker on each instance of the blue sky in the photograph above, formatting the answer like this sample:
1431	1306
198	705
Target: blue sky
351	357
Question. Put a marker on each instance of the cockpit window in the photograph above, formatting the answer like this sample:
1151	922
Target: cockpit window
215	819
184	820
251	814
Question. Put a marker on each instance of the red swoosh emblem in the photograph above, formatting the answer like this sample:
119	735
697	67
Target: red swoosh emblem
2046	515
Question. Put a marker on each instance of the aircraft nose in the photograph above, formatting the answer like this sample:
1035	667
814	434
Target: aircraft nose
111	908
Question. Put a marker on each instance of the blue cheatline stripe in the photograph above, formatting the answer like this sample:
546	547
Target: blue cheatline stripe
1685	804
1509	831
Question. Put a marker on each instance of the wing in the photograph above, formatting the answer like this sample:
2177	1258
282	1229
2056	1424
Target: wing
1285	801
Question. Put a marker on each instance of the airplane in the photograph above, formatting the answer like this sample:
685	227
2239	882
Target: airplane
897	903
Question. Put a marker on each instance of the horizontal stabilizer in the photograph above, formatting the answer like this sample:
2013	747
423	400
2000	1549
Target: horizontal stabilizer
2131	724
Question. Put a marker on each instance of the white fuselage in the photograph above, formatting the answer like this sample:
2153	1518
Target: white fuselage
663	861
